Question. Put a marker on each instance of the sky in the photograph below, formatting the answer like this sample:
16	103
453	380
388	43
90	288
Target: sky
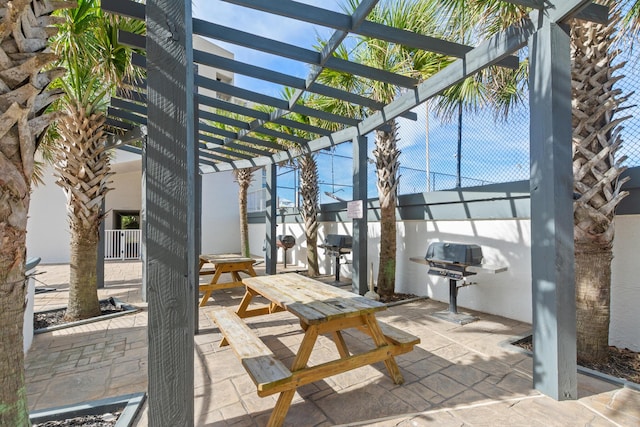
492	151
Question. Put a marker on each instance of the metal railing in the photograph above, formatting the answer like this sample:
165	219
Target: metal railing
122	244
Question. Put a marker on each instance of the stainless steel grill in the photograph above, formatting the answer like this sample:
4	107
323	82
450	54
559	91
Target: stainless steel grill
456	261
337	245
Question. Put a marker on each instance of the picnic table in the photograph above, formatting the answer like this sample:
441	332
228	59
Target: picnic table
223	263
321	309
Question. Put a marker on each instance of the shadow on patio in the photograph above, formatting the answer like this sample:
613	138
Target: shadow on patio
458	375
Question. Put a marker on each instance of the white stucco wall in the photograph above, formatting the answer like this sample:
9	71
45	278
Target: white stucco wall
624	328
47	226
220	213
48	229
504	242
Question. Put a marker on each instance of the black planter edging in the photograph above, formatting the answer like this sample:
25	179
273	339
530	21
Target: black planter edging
130	402
126	309
509	345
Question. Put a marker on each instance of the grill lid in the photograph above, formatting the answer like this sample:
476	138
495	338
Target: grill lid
338	241
285	241
454	253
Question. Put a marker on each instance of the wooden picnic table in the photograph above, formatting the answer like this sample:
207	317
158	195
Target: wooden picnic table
321	309
223	263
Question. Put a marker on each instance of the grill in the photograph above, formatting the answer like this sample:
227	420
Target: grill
286	242
455	261
337	245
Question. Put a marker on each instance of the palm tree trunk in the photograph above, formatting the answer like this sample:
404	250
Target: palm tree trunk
83	170
310	196
596	170
21	124
244	178
83	296
386	154
14	204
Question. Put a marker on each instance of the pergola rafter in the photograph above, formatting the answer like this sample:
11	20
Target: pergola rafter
239	100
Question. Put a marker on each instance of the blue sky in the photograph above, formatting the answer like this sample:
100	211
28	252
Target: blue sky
492	151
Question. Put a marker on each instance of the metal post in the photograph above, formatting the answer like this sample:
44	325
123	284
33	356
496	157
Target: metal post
359	270
552	249
271	251
101	243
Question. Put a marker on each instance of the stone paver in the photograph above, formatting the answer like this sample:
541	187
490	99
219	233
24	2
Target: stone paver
458	375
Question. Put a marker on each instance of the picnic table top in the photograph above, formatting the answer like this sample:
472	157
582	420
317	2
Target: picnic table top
225	258
310	300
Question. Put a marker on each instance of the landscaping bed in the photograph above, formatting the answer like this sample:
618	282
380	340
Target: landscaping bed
49	320
622	362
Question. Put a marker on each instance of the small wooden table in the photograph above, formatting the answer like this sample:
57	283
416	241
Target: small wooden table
321	309
224	263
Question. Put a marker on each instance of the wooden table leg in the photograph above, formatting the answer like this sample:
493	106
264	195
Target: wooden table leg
338	339
380	340
300	362
208	289
244	304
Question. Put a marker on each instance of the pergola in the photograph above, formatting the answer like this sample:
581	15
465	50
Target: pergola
170	108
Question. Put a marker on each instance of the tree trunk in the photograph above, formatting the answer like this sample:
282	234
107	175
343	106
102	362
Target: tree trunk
386	154
593	267
21	124
83	295
83	170
244	178
596	170
310	196
13	223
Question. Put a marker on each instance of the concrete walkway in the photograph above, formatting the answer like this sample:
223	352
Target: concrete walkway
457	376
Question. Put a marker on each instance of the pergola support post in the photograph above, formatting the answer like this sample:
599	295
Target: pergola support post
552	248
271	251
171	169
359	271
100	260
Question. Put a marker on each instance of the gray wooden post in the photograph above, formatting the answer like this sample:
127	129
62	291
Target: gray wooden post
171	210
359	270
100	260
552	256
144	295
271	251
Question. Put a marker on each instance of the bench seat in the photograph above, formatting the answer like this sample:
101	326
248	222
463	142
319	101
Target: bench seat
263	367
398	336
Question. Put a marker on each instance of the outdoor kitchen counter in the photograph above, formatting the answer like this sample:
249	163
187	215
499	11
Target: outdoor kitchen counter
223	263
321	309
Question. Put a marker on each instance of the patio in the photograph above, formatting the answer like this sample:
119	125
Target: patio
458	375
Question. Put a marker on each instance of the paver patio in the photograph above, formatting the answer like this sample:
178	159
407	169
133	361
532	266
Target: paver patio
458	375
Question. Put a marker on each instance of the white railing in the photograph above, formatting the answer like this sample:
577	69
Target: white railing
122	244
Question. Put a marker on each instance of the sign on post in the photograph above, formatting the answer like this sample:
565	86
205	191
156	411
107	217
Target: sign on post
354	209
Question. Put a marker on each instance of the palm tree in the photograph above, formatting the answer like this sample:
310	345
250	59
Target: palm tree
88	48
310	192
244	177
25	27
596	139
417	16
596	175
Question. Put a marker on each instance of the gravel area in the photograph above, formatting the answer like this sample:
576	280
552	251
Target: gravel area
56	317
105	420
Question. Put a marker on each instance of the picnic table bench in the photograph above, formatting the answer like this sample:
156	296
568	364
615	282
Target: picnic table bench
321	309
223	263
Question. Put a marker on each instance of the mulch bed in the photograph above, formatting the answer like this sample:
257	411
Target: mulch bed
622	362
56	317
105	420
